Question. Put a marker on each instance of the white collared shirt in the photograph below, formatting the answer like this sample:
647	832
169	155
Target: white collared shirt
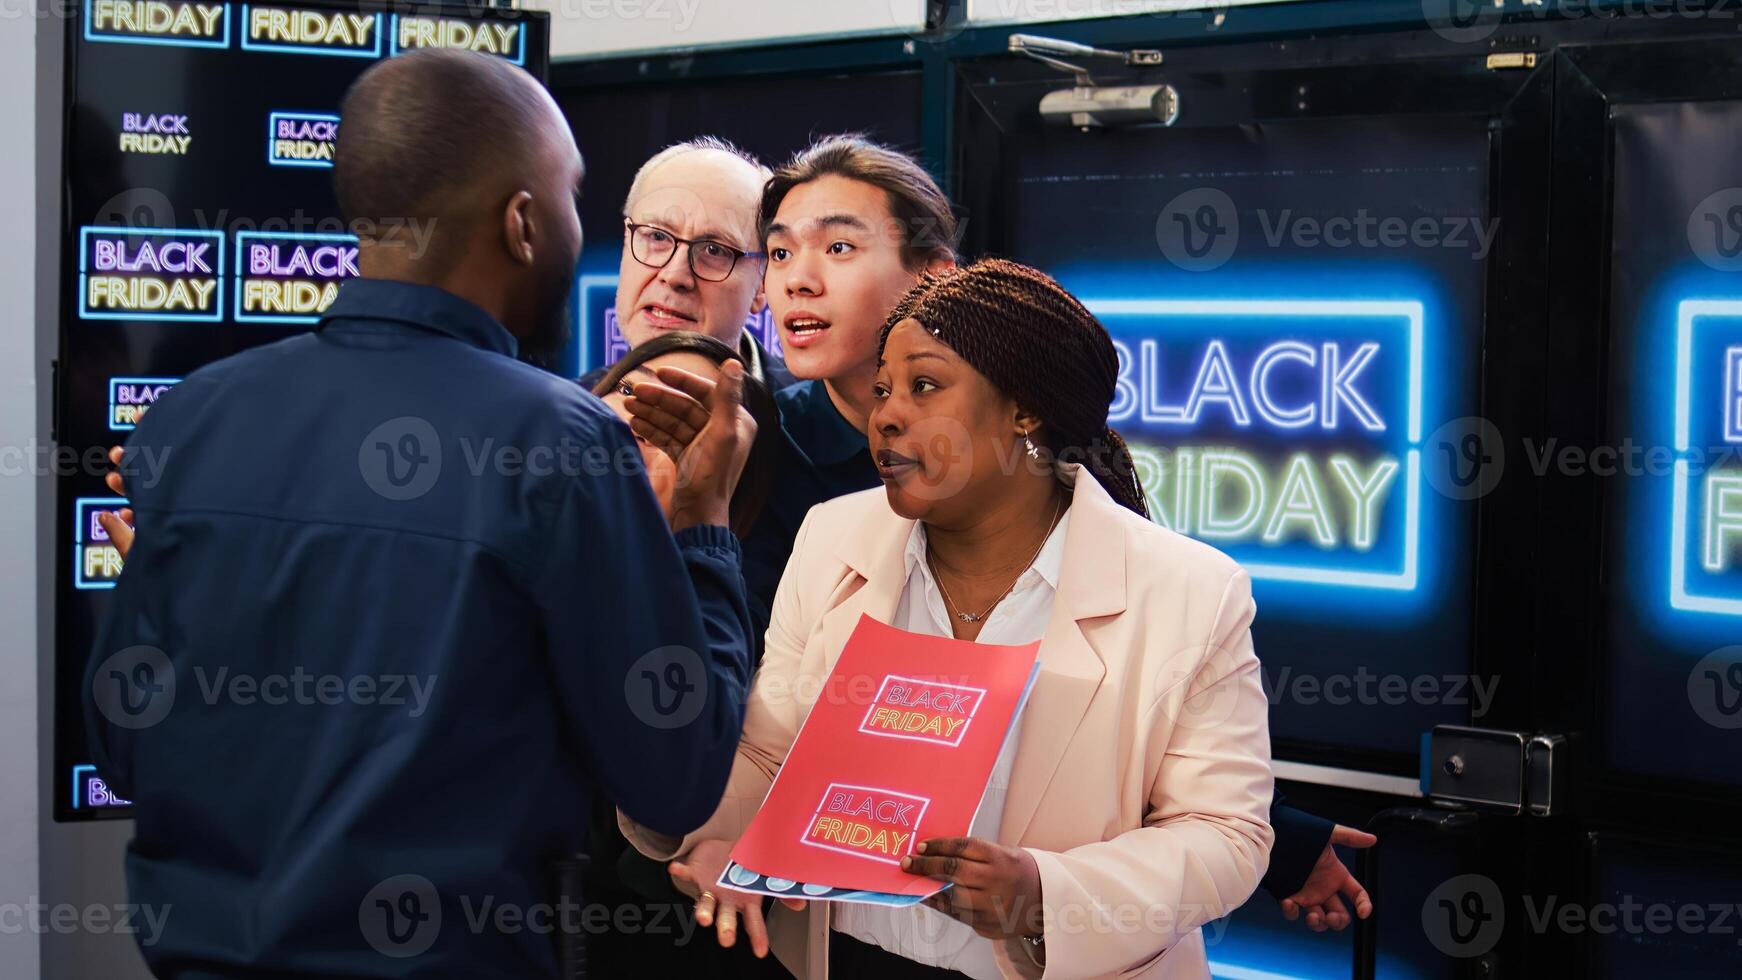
919	933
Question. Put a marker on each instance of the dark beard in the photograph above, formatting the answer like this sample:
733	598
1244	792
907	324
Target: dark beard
551	336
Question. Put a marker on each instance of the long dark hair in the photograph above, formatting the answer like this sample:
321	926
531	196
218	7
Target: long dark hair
758	479
1038	344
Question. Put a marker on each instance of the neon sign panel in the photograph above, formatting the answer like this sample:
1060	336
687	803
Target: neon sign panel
503	40
596	322
1705	561
189	25
90	790
1281	379
130	398
96	561
301	139
300	31
150	274
155	133
290	277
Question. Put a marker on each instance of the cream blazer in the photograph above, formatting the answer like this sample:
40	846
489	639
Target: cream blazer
1142	779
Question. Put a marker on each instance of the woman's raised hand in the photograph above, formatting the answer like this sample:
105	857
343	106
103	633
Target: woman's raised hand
726	909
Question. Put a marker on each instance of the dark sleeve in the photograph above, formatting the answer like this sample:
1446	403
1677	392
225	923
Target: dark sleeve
767	549
649	639
1300	839
117	631
129	651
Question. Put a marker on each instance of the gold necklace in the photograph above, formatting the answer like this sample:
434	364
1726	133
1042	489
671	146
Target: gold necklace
982	614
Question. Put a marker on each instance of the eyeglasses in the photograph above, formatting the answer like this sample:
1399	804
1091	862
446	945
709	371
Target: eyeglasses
711	261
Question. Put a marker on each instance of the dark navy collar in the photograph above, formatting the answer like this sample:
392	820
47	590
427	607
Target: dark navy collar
427	307
817	427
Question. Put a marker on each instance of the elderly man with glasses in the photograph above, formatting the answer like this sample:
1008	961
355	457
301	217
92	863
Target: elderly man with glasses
692	259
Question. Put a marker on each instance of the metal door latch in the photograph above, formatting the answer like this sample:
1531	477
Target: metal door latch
1510	772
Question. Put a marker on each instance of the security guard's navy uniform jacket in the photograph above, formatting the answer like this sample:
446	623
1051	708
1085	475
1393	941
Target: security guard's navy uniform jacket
399	606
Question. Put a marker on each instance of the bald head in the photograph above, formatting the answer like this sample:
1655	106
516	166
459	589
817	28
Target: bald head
442	134
710	157
457	170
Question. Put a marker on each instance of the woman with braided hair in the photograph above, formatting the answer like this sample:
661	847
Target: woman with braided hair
1039	346
1129	806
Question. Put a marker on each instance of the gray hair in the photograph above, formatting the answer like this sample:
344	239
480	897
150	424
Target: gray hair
691	146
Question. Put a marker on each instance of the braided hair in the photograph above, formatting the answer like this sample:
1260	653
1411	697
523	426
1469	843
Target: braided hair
1037	344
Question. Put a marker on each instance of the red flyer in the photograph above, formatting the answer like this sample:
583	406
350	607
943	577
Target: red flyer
898	749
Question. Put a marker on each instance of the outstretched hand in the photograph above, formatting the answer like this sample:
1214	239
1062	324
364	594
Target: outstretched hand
1329	879
118	525
725	910
706	430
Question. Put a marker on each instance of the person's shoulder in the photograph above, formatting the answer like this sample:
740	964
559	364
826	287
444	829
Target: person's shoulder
263	357
826	524
1157	546
794	396
561	404
853	510
228	374
1165	569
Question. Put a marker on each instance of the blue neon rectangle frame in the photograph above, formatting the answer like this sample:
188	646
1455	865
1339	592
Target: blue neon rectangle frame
272	127
1405	578
81	506
78	784
300	236
1733	389
215	316
1680	596
171	42
520	46
242	39
123	379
